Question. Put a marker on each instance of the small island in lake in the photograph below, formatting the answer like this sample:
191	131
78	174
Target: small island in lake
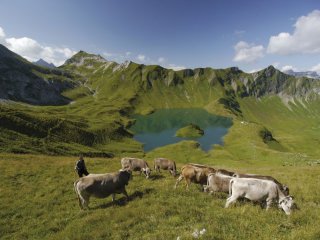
190	130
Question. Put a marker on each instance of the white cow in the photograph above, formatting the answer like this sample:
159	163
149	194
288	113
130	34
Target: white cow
259	190
217	182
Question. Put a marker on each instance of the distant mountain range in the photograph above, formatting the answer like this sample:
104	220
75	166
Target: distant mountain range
21	80
43	63
308	74
100	96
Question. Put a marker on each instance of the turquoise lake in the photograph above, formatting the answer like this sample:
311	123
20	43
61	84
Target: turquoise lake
159	128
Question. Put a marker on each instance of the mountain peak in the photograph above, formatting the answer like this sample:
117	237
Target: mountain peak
44	63
80	57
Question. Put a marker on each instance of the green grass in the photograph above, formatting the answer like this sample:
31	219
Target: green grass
38	202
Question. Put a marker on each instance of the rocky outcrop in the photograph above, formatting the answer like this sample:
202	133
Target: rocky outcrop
25	82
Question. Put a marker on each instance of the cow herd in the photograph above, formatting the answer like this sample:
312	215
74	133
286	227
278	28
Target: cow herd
257	188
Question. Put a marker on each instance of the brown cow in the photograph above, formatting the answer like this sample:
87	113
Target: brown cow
195	174
284	189
165	164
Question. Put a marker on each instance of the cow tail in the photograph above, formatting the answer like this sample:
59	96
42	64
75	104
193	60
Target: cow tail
230	187
174	167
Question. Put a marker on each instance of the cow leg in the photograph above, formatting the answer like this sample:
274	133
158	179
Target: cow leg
178	180
125	193
231	200
187	183
113	197
85	202
269	203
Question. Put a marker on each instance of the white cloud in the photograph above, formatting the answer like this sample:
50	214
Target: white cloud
161	60
239	33
128	54
316	68
287	68
175	67
247	53
141	58
2	34
304	39
31	50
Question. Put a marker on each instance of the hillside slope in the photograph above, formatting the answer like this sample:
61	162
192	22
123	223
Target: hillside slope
105	94
23	81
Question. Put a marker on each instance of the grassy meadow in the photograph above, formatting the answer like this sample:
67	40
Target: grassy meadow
39	146
38	202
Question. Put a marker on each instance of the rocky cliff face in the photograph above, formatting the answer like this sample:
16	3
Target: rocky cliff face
23	81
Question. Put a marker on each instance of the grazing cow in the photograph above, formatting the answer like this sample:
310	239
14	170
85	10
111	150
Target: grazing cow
136	164
225	172
198	165
217	182
165	164
101	186
284	189
192	173
259	190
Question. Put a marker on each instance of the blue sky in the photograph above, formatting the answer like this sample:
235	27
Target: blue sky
176	33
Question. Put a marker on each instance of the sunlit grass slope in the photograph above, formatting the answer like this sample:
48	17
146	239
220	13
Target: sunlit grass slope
38	202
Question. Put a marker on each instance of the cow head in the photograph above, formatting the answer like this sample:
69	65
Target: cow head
173	173
127	172
146	171
287	204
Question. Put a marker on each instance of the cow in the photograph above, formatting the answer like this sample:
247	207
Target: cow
198	165
217	182
192	173
165	164
225	172
101	186
259	190
283	188
136	164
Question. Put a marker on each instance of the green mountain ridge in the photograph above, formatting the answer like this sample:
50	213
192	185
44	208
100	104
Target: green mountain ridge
103	95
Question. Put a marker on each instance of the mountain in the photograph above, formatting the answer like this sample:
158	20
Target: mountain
43	63
105	95
23	81
309	74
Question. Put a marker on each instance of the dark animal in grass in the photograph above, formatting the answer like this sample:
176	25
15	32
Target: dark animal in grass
80	167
